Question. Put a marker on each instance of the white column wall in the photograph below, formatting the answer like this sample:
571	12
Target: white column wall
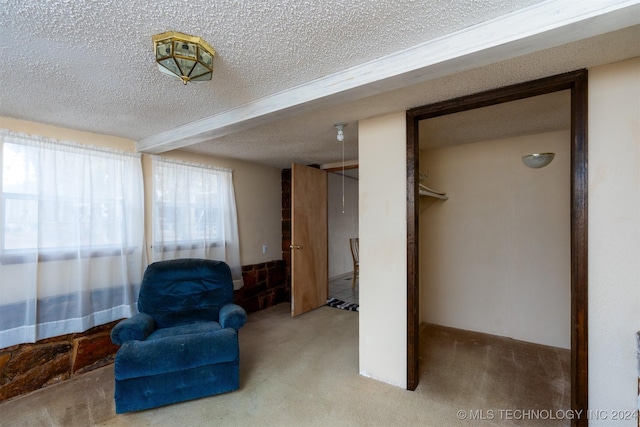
614	239
383	248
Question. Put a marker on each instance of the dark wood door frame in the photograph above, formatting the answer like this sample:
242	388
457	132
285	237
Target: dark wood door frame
576	82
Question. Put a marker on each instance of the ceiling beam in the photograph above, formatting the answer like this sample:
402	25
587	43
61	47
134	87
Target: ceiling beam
541	26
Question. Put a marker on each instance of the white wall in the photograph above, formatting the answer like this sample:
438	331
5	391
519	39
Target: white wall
383	248
614	242
614	237
496	256
343	222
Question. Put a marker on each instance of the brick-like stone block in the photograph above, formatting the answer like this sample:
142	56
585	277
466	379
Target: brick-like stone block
282	295
4	361
93	352
262	275
277	277
250	279
286	228
256	290
40	375
267	300
250	305
286	215
30	357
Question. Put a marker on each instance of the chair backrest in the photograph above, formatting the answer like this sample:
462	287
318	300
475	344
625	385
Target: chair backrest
355	249
182	291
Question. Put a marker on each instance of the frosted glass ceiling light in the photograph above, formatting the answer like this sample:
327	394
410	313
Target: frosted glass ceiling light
183	56
537	160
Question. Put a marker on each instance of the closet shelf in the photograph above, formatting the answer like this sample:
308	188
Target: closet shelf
428	192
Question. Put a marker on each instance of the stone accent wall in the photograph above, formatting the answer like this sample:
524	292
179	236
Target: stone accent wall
265	285
286	221
28	367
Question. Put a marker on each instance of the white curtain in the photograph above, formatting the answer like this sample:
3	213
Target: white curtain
194	214
72	237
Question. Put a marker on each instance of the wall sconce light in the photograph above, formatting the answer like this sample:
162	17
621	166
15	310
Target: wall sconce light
186	57
537	160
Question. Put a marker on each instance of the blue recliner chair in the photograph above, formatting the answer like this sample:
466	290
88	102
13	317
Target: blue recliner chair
183	343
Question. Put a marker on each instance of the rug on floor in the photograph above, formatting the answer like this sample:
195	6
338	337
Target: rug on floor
336	303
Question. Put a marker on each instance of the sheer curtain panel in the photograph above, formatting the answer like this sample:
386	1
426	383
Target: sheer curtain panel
72	237
194	214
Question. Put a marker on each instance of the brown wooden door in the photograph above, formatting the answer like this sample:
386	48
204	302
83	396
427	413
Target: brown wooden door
309	247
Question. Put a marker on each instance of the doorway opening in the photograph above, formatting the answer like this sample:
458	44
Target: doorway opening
311	204
344	286
576	83
495	267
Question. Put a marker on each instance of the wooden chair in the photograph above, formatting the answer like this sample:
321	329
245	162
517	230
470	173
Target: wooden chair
355	253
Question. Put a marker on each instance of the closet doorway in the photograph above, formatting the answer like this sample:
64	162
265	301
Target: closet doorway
575	83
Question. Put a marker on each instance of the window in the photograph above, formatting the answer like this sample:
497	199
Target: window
194	213
71	237
52	205
187	206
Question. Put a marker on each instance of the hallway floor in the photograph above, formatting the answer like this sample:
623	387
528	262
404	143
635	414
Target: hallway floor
340	288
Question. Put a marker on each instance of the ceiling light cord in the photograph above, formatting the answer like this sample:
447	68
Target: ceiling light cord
340	137
343	176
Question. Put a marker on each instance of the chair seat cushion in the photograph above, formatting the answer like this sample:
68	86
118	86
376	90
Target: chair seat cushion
175	353
192	328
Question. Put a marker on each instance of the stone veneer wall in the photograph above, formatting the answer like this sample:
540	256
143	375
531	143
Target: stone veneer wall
28	367
265	285
286	222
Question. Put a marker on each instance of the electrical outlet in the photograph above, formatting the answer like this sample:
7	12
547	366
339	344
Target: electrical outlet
264	249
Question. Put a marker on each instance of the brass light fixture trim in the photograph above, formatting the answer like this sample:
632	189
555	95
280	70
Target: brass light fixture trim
186	57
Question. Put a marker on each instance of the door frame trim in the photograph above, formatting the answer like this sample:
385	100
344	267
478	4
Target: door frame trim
576	82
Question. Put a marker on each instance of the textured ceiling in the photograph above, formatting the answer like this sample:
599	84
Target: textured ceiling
89	65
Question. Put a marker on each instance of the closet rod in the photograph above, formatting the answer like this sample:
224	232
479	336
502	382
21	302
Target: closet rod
426	191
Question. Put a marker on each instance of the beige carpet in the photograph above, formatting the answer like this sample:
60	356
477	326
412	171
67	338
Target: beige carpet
304	372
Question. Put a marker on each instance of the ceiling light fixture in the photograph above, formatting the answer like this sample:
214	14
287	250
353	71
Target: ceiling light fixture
537	160
186	57
340	127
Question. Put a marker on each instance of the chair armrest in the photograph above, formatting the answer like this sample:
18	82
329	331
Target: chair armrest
136	328
232	316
